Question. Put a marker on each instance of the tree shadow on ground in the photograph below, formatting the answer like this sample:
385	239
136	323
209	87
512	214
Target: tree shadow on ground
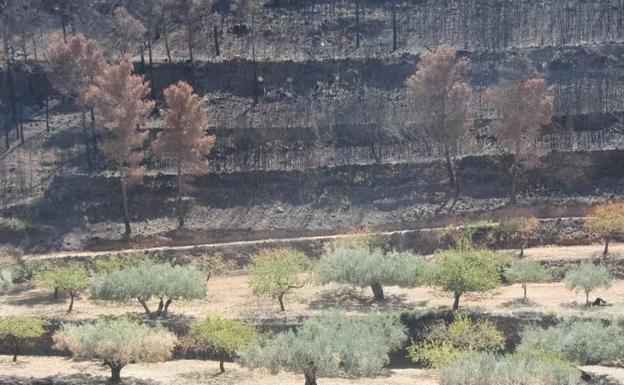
72	379
353	299
37	298
519	303
214	376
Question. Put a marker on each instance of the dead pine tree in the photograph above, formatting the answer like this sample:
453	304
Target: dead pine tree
441	104
183	140
118	97
522	109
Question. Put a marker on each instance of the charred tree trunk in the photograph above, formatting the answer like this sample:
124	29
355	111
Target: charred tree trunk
64	27
189	36
215	36
126	214
86	140
357	23
179	199
377	291
394	26
451	170
150	57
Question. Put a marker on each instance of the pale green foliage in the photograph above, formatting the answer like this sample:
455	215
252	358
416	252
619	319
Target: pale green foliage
275	272
445	344
525	271
329	345
584	342
212	264
6	280
517	230
116	342
162	281
477	234
70	279
517	369
12	224
587	277
16	331
465	270
120	261
222	337
362	266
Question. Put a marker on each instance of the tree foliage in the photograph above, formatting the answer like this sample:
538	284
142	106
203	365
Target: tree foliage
588	277
17	331
116	342
118	97
183	139
465	270
6	280
518	230
523	109
70	279
127	32
329	345
525	272
275	272
221	337
606	221
363	266
162	281
441	101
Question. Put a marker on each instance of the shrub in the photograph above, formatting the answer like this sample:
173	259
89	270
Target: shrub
11	260
468	235
517	369
606	221
19	331
588	277
276	272
116	342
363	266
12	224
221	337
525	272
445	344
465	270
329	345
212	264
518	231
6	280
584	342
163	281
120	261
70	279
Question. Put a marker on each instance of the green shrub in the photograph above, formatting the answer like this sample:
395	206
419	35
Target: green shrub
469	235
162	281
446	343
363	266
517	369
12	224
276	272
466	270
11	260
6	280
331	344
16	332
584	342
587	277
517	231
221	337
526	272
70	279
117	343
120	261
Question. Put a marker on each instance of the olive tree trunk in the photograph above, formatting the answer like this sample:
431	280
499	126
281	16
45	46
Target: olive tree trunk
377	291
456	301
606	247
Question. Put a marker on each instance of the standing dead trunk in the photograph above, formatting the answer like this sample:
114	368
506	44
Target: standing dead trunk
215	36
394	26
47	111
456	301
179	199
377	291
513	173
357	23
189	35
126	214
150	57
450	170
86	140
64	27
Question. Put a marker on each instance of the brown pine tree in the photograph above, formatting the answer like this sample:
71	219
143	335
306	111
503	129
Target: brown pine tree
119	99
441	103
523	109
184	140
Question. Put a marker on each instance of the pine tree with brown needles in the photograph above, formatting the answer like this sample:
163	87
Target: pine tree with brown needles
184	140
523	109
441	103
119	98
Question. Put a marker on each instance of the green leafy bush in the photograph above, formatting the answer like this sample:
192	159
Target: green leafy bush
120	261
6	280
584	342
478	234
221	337
466	270
517	369
588	277
329	345
363	266
526	272
162	281
275	272
517	231
16	332
12	224
446	343
70	279
116	342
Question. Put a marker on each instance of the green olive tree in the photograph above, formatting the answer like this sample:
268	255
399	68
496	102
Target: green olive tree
606	221
70	279
526	272
116	342
588	277
162	281
329	345
18	331
465	270
275	272
363	266
221	337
